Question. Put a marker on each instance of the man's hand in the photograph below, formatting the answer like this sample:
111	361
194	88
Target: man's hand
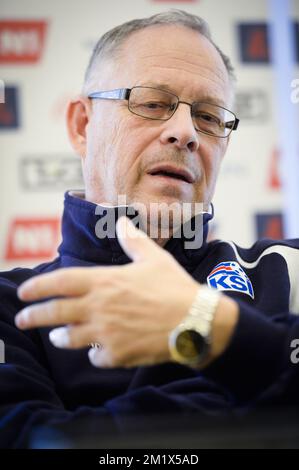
129	310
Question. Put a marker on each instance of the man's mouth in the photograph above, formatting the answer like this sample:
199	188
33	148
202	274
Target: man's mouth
172	172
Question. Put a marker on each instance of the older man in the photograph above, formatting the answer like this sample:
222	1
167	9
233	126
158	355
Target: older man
207	327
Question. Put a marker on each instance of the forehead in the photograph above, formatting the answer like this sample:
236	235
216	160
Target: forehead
174	55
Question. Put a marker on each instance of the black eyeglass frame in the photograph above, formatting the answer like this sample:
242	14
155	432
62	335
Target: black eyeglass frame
124	94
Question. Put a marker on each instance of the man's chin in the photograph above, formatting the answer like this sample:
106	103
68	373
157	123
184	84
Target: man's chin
167	214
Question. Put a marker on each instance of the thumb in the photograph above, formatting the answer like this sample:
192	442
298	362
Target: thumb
135	243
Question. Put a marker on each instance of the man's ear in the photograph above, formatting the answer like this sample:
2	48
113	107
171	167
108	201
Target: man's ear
77	118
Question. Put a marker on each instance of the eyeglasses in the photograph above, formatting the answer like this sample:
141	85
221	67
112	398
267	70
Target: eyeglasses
152	103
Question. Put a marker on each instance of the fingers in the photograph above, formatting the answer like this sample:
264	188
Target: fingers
99	358
103	358
75	336
53	312
136	244
127	354
63	282
70	282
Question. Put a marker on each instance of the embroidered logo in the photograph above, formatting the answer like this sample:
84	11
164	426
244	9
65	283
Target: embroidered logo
230	276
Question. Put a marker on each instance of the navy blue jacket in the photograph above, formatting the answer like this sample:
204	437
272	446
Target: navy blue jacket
41	385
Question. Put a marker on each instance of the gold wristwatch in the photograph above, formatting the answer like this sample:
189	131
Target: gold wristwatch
189	342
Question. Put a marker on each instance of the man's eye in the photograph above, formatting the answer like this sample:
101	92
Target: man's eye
155	105
208	118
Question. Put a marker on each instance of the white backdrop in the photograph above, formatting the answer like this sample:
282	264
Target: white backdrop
37	163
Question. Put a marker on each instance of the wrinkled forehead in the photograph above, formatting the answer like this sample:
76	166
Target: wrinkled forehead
183	59
176	55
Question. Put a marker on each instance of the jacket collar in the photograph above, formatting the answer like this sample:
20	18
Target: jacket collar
80	234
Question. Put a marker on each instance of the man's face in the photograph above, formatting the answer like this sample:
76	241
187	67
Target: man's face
123	148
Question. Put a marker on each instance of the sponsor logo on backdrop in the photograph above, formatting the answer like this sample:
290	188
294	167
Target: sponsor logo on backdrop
230	276
9	110
21	42
50	172
32	238
254	42
274	178
269	225
252	105
232	169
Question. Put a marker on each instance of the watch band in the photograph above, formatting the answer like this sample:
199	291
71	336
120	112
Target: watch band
199	321
203	309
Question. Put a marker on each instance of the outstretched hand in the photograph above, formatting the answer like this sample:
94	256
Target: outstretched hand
127	310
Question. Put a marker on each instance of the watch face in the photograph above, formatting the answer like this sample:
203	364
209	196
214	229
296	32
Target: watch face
190	344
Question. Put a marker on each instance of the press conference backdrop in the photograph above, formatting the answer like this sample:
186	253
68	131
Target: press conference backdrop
44	49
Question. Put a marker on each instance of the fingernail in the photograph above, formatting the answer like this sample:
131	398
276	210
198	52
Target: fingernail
95	357
23	317
60	337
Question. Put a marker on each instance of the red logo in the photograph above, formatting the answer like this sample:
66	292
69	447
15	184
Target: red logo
257	47
273	228
32	238
253	41
269	226
274	179
21	41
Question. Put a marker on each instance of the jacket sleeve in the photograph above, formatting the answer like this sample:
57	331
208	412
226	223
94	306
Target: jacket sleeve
260	366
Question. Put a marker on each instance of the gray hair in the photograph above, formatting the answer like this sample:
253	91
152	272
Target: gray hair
110	43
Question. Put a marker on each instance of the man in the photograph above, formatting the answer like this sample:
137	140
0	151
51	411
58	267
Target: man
180	328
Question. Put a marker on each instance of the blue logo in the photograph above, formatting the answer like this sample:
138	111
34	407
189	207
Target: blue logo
230	276
9	110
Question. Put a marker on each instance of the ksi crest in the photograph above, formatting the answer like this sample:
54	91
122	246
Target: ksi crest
230	276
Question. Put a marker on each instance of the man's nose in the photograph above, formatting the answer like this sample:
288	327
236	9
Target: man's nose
179	130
